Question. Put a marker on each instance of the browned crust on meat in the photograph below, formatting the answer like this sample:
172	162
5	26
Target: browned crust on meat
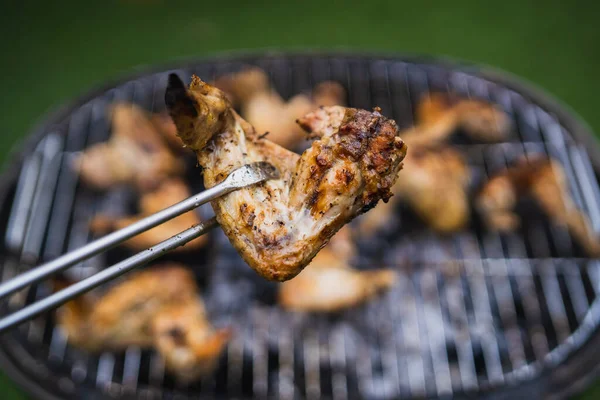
278	226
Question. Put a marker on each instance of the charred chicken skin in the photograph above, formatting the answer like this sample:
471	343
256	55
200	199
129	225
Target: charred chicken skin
166	194
266	110
158	307
280	225
136	153
330	284
544	180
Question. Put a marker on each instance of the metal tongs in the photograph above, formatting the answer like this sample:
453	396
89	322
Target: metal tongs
242	177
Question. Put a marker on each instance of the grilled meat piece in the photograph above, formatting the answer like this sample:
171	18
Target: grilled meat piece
436	179
544	180
434	184
136	153
122	316
166	194
329	284
435	187
158	307
185	338
440	115
280	225
266	110
240	87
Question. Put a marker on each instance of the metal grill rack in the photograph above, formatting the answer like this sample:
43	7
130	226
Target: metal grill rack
473	313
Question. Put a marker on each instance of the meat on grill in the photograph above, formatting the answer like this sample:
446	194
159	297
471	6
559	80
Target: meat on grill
166	194
266	110
544	180
159	307
436	179
136	153
440	115
330	284
434	184
280	225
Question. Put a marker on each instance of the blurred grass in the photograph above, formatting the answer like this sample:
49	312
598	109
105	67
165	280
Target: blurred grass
53	51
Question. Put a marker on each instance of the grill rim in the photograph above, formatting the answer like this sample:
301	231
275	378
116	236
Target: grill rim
572	369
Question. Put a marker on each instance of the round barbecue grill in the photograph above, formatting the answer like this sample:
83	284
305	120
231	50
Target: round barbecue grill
474	313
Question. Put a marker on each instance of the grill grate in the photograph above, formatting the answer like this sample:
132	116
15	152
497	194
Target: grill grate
472	312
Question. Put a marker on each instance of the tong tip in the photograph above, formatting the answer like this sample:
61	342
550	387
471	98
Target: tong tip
253	173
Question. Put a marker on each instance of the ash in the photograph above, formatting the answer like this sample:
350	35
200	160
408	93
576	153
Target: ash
435	329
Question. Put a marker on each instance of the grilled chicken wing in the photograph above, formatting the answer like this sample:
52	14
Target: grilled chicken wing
185	338
166	194
266	111
122	316
157	307
436	179
136	153
439	115
280	225
434	184
545	181
329	284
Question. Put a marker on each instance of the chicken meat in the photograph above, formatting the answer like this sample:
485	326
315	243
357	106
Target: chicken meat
543	180
169	192
184	337
280	225
159	307
436	178
136	153
440	115
434	185
266	110
330	284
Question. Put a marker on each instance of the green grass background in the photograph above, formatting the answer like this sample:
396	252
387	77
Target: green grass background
54	50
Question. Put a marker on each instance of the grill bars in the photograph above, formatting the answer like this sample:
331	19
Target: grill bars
470	312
